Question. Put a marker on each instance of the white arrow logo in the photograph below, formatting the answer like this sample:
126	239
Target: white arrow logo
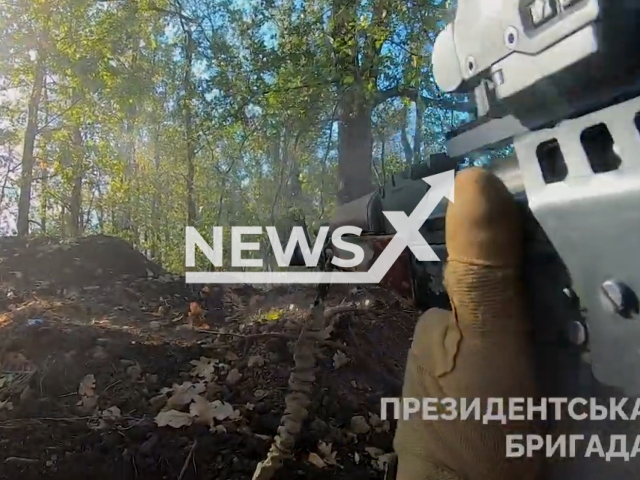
407	235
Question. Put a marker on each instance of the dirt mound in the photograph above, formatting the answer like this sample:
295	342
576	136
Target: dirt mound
88	378
55	263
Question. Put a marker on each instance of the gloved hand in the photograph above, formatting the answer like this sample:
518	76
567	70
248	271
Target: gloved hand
481	349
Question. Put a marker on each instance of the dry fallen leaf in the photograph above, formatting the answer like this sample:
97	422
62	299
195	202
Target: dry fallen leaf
255	361
340	360
324	448
272	315
359	425
174	419
88	404
87	386
184	394
327	455
224	368
233	377
202	411
158	401
88	398
384	427
195	309
356	458
374	420
97	424
383	461
204	368
374	452
315	460
111	413
223	411
6	405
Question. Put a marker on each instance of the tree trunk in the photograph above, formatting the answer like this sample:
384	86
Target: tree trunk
130	168
383	153
404	138
115	227
357	72
100	207
44	201
355	149
126	221
31	132
188	129
417	139
63	221
155	207
75	202
44	165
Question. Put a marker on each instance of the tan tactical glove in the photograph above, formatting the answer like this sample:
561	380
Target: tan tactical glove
481	350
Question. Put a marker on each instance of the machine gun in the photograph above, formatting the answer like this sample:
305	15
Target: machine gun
559	81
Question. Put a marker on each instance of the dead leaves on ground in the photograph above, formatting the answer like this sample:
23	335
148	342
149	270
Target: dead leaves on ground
106	419
200	411
174	419
205	368
87	391
233	377
87	386
188	396
359	425
272	315
379	459
340	359
325	456
196	316
206	412
255	361
183	394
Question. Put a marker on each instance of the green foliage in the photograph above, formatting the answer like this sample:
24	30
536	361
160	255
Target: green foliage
150	106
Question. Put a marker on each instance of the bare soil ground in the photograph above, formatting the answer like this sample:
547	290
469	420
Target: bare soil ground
97	343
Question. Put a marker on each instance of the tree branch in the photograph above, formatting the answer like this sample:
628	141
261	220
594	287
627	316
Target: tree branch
164	11
406	146
412	94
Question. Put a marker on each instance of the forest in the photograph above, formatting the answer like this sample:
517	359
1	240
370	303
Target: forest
135	118
122	122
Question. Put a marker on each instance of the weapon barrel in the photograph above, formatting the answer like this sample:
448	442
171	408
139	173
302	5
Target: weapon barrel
438	163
